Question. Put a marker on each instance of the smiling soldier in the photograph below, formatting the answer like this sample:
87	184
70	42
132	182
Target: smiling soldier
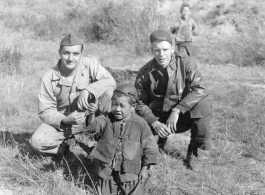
67	94
173	98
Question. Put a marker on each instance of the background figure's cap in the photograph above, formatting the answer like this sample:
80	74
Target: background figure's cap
160	35
71	40
129	90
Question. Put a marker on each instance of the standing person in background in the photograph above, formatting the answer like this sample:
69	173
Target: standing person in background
174	99
67	94
183	30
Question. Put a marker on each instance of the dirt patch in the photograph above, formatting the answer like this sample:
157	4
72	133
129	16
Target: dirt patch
4	191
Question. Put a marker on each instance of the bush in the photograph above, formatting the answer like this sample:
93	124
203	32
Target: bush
235	36
104	23
49	27
10	61
127	24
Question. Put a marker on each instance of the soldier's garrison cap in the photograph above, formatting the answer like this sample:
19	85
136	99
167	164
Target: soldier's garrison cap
71	40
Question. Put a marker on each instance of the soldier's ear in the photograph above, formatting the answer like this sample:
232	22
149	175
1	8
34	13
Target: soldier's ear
173	49
134	106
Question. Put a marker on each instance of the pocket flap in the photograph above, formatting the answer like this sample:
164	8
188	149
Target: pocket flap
130	149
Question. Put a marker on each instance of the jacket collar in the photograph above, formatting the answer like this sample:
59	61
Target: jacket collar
172	63
184	20
56	75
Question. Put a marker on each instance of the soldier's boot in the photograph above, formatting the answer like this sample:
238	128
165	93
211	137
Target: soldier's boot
64	151
195	157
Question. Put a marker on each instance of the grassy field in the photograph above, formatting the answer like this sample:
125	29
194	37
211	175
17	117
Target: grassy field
237	93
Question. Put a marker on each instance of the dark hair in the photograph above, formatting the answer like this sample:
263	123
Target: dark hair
185	5
117	94
61	46
126	90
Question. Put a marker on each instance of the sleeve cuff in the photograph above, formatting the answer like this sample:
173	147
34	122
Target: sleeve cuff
150	159
183	108
92	91
53	119
59	120
151	120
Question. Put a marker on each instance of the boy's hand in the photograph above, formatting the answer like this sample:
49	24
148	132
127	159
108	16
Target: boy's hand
143	176
75	118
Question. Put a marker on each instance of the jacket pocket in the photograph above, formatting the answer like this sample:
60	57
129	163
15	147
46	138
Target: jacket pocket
130	149
103	151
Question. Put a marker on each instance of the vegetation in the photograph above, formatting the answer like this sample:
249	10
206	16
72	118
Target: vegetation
232	64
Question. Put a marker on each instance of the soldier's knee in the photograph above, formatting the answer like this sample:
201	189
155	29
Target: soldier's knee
105	101
108	94
35	141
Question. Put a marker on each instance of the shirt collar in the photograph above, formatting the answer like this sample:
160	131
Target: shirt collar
184	20
57	75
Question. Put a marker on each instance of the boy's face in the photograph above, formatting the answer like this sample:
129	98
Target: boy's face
185	12
121	108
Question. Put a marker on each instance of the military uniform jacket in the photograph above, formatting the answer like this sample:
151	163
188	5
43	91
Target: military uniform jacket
183	88
58	97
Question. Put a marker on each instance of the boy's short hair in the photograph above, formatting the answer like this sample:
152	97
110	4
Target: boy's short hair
185	5
126	90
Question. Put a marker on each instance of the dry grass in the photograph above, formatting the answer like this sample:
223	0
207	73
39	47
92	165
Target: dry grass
237	160
236	165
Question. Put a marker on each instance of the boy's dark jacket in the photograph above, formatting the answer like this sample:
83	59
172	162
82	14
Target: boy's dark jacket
139	147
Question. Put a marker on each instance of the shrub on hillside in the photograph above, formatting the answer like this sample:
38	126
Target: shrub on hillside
10	61
127	24
104	23
236	36
49	27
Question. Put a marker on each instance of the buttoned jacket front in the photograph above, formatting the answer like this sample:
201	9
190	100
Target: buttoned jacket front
139	147
58	97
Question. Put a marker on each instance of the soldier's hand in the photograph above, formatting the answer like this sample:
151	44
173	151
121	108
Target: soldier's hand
161	129
82	101
172	120
143	176
75	118
92	107
75	129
